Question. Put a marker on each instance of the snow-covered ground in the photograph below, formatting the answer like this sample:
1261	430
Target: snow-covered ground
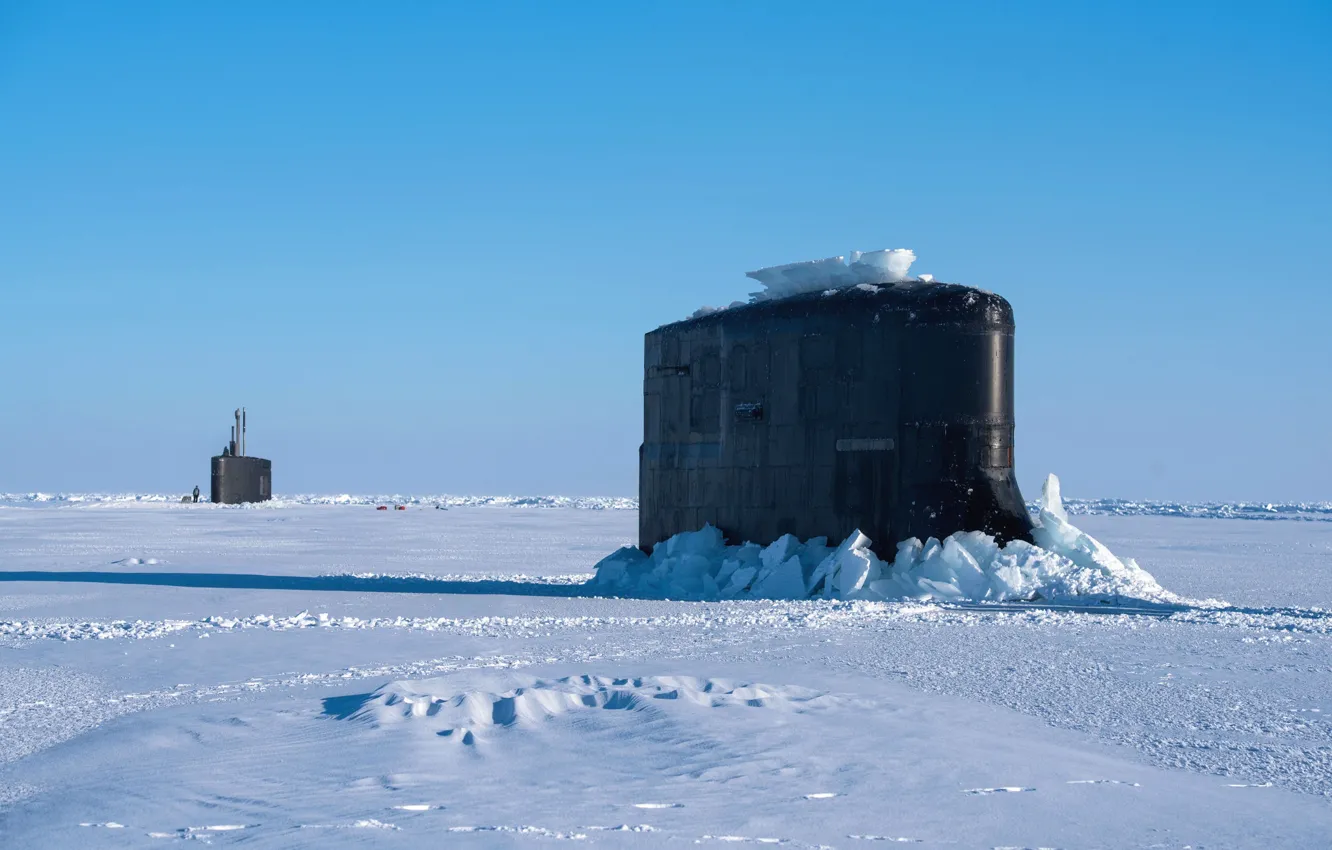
311	674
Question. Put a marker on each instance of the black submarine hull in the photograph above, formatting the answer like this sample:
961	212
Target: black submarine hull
887	409
239	479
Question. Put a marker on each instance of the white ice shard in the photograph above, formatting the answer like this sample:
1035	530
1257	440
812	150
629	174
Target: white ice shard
1064	564
876	267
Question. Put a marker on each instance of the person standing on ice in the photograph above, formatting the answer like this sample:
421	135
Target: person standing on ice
196	492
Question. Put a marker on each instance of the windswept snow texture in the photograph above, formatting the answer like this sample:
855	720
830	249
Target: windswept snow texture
968	566
465	716
330	675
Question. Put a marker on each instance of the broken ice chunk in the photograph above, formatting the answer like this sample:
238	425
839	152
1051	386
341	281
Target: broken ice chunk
832	273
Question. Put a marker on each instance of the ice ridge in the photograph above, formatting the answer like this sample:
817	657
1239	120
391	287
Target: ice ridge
1064	563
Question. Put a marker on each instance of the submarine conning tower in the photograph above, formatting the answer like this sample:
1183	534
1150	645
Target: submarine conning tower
238	477
881	407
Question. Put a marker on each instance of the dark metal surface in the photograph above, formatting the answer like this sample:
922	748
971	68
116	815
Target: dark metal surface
883	408
241	479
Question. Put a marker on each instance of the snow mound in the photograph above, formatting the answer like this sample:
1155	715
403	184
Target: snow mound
969	566
709	310
462	716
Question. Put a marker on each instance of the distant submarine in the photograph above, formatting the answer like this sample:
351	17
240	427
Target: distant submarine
238	478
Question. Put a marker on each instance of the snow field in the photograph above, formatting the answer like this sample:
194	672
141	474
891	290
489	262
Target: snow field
255	685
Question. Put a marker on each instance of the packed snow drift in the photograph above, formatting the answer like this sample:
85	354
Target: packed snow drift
1063	564
462	715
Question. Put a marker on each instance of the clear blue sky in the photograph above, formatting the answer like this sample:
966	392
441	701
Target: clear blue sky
422	241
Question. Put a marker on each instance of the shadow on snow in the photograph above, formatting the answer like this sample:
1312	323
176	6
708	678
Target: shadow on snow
562	589
334	583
